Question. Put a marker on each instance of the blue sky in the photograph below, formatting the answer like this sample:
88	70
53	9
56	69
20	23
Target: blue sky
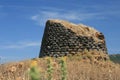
22	23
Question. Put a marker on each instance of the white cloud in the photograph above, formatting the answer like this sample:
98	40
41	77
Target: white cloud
43	16
19	45
111	50
81	14
8	59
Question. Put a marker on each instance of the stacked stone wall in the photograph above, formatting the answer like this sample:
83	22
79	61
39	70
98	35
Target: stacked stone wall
59	40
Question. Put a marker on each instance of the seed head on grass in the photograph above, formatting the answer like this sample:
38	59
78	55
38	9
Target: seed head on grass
33	63
34	72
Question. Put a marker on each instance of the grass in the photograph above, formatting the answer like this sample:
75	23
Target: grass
65	68
34	72
49	68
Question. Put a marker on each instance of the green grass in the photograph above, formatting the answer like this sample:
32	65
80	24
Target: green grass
35	73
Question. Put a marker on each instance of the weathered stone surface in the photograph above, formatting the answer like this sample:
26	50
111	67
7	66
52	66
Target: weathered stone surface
62	38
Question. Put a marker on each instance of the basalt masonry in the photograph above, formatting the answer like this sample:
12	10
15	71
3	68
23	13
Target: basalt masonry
62	38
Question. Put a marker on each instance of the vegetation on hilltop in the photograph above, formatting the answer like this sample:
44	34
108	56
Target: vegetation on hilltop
77	67
115	58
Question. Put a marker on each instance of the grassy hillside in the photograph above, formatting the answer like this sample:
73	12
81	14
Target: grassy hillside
66	68
115	58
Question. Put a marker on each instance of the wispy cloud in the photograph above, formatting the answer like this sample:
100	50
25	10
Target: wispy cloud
67	15
20	45
113	50
83	13
7	59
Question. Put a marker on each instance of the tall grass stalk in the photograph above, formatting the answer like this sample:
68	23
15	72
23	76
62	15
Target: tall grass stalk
49	68
63	68
34	72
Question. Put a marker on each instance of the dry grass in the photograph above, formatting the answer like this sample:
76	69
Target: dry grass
79	29
77	69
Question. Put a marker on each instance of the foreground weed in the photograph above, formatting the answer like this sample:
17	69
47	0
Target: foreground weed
49	68
63	68
34	72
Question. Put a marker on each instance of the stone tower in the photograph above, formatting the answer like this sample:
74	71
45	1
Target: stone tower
62	38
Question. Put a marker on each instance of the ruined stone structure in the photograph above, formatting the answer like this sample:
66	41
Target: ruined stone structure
62	38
